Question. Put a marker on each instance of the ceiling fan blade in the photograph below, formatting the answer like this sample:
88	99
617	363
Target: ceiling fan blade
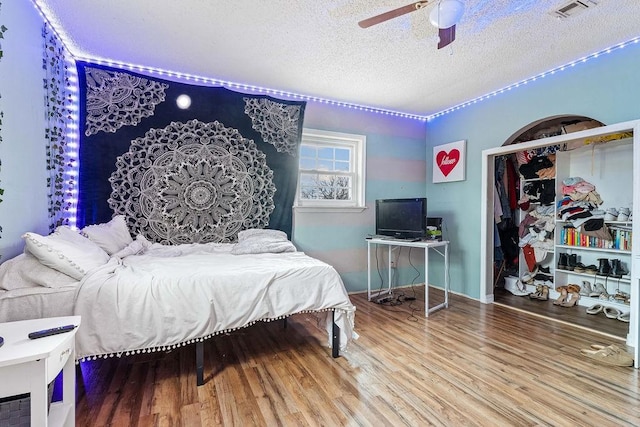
393	14
446	36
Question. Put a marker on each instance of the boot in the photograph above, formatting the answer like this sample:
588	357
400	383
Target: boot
617	270
572	260
563	261
604	268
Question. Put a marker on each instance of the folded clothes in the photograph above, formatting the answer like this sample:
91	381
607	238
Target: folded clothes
584	187
572	181
591	196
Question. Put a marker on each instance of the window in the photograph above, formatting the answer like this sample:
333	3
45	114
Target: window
332	171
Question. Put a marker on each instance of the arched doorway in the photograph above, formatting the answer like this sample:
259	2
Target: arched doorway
508	261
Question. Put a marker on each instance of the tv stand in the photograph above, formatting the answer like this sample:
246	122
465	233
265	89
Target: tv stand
426	245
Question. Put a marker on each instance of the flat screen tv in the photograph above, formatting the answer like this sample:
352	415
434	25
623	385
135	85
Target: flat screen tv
402	218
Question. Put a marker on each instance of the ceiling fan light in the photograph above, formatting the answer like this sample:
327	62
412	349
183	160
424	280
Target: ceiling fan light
447	13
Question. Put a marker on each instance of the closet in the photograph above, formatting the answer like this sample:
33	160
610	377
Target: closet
588	240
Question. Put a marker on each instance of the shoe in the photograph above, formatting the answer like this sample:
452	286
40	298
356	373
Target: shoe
545	293
617	270
537	294
598	289
604	268
620	298
611	312
519	290
572	261
624	317
579	268
623	214
527	278
611	214
563	295
591	269
611	355
543	277
586	288
574	293
595	309
563	261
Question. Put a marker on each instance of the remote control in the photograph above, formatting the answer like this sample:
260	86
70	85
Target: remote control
52	331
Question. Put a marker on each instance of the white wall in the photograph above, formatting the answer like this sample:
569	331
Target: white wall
23	150
606	89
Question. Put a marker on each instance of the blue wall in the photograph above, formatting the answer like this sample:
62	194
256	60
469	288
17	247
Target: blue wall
23	149
395	167
606	88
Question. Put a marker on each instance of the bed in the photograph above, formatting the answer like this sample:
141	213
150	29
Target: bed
135	296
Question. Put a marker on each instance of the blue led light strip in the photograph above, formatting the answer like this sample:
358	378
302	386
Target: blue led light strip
534	78
242	86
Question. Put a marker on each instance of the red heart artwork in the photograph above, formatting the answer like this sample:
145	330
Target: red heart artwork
447	161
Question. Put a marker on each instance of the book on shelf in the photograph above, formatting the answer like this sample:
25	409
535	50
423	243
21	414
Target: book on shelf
620	238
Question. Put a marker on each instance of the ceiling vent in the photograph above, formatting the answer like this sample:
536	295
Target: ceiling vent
573	8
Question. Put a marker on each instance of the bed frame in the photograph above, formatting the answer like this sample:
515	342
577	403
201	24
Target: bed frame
335	348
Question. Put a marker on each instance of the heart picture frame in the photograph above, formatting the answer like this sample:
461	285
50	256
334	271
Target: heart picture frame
449	162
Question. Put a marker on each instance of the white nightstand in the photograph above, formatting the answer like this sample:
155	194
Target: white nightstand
28	366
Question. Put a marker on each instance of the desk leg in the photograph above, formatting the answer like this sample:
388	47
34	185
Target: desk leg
368	271
426	282
390	275
446	275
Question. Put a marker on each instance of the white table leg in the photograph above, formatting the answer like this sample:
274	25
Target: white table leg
39	395
389	269
426	282
69	388
368	271
446	275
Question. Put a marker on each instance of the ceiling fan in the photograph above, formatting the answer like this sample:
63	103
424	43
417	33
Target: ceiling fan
444	16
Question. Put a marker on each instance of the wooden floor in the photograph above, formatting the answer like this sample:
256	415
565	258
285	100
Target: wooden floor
471	364
576	315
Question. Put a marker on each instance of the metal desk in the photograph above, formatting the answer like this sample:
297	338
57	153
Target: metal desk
426	245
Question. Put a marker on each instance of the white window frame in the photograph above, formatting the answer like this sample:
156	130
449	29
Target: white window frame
357	144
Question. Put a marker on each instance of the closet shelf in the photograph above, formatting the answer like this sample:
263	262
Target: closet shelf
623	279
586	248
525	180
629	223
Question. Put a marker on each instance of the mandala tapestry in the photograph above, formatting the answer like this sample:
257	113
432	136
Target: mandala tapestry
224	163
193	182
277	123
116	99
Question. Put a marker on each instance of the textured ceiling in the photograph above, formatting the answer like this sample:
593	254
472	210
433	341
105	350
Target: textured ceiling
316	48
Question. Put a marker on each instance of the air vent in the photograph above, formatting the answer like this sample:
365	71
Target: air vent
573	8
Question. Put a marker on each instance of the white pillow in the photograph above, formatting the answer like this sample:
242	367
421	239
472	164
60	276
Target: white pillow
66	251
261	232
25	271
257	241
112	236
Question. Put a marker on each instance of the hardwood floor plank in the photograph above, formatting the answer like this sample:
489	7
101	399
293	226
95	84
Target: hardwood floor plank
468	365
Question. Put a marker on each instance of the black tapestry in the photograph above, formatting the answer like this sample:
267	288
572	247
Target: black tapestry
184	163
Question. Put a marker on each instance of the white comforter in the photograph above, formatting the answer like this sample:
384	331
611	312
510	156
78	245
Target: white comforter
172	295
